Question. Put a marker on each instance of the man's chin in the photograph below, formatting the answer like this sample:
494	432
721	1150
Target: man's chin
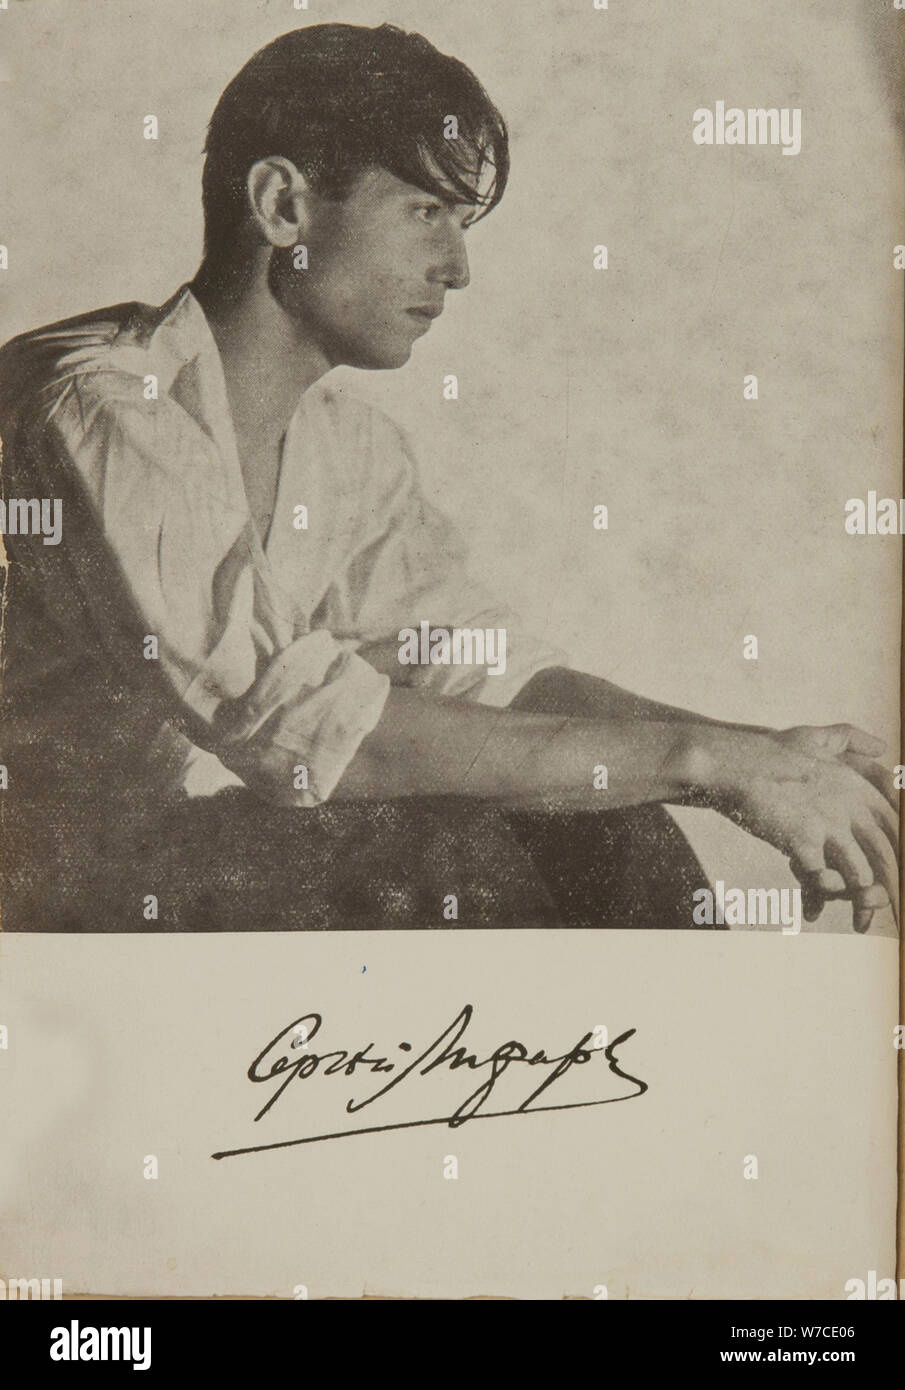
383	359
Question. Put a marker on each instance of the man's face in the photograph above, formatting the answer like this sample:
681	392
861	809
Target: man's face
379	266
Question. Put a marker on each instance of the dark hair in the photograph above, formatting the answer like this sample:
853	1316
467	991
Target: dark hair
337	98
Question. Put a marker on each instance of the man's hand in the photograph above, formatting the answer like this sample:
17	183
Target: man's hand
859	750
816	799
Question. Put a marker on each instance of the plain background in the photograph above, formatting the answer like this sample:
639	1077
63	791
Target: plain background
577	386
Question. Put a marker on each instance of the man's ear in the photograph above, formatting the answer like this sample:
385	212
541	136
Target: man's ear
277	199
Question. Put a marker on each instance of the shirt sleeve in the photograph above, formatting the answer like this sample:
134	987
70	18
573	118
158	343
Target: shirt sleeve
412	568
157	543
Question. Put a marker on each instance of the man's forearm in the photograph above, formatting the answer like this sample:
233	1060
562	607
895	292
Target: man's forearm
424	745
558	690
797	790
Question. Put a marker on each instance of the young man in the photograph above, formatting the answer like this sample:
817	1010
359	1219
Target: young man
206	721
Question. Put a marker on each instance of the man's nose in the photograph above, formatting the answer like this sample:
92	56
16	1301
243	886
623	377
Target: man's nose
453	270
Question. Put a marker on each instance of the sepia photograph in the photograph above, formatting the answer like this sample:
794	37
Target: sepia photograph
451	505
252	677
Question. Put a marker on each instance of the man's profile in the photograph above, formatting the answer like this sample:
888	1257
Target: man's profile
205	718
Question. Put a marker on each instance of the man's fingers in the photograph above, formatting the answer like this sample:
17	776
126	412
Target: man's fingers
812	900
888	822
865	904
879	776
875	897
849	858
830	883
820	886
885	815
847	855
883	861
807	860
861	919
859	740
817	886
833	740
837	739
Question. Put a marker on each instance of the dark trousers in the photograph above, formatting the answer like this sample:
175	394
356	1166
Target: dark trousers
232	863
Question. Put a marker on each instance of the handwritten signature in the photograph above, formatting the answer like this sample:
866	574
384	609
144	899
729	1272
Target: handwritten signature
288	1058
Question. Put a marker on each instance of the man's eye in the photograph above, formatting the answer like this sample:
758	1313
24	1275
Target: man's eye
429	212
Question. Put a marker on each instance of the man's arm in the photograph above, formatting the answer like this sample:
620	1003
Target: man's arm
837	829
559	690
433	745
543	748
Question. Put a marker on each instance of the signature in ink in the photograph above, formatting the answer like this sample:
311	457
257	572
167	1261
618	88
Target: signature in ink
288	1058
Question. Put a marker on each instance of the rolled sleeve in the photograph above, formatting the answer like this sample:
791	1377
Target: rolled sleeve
294	733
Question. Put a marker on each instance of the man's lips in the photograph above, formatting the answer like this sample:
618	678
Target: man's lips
425	312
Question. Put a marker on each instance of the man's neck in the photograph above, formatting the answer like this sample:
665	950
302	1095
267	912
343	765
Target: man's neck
268	364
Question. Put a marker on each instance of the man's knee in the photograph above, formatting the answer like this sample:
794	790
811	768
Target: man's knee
630	867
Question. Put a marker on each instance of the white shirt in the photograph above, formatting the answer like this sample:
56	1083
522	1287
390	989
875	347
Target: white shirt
277	626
